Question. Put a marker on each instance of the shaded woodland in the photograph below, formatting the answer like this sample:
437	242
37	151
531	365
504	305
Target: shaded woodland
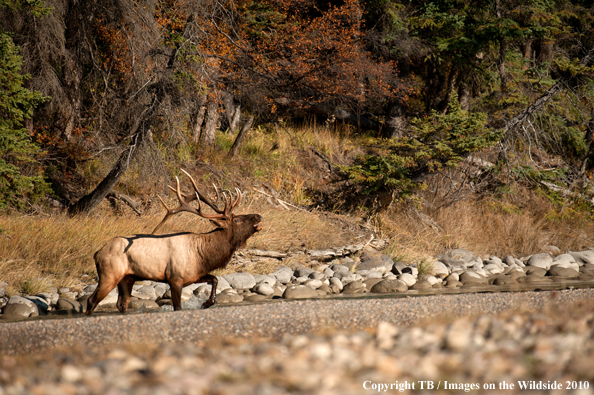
426	87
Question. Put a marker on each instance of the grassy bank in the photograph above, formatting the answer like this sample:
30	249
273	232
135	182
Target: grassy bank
42	251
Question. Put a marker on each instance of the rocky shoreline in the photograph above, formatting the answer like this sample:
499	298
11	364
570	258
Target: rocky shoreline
372	273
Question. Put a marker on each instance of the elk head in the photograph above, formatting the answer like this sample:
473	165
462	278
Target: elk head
240	226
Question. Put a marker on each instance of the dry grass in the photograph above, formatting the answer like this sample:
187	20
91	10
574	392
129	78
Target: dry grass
57	251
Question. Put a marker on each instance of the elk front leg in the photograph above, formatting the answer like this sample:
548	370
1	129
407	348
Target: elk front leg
209	278
124	292
176	291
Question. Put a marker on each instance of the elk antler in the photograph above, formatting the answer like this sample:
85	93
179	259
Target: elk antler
185	199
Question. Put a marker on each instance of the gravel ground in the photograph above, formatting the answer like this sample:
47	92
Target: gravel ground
463	343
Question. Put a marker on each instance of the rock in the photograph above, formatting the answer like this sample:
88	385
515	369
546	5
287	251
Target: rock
542	260
493	268
69	305
228	297
43	305
69	295
334	282
553	250
19	310
242	280
325	289
370	273
459	335
111	298
535	271
453	283
89	289
501	279
534	278
470	278
587	268
421	285
146	292
160	289
254	298
583	257
264	288
51	297
340	269
299	292
316	276
143	304
283	274
385	335
398	267
462	254
411	270
354	287
408	279
562	272
315	284
303	272
440	269
375	262
370	282
389	286
515	274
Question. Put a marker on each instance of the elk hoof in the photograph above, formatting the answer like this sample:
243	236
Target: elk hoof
207	304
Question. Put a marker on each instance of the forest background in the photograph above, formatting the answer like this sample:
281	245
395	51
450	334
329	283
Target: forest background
428	112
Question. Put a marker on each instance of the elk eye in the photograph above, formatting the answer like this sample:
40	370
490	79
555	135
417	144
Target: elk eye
237	220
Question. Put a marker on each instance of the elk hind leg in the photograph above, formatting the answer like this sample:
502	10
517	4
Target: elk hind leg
176	291
124	292
100	293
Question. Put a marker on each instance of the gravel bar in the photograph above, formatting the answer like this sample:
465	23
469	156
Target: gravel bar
272	319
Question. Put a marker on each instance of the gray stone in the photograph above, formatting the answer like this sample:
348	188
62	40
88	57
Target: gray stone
408	279
334	282
315	284
453	283
342	269
380	263
493	268
370	282
470	278
462	254
583	257
43	305
222	284
389	286
562	272
254	298
535	271
264	288
440	269
542	260
370	273
69	305
303	272
143	304
421	285
316	276
227	298
261	278
398	267
509	260
411	270
111	298
283	275
160	289
354	287
299	292
51	297
19	310
146	292
242	280
587	268
501	279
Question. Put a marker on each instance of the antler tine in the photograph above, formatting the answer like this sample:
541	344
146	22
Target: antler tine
202	197
183	206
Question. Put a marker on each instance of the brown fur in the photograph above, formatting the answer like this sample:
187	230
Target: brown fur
179	259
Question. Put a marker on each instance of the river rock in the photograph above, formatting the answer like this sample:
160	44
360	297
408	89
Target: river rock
375	262
264	288
299	292
370	282
334	282
440	269
340	269
19	310
354	287
412	270
160	289
136	303
262	278
69	305
254	298
453	283
421	285
303	271
43	305
370	273
315	284
470	278
229	297
398	267
389	286
542	260
146	292
535	271
562	272
583	257
493	268
283	274
408	279
241	280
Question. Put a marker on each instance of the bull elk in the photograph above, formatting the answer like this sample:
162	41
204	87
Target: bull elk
179	259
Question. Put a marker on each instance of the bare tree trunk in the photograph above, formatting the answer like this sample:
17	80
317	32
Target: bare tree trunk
396	122
212	119
236	118
239	139
232	112
464	96
197	118
452	77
